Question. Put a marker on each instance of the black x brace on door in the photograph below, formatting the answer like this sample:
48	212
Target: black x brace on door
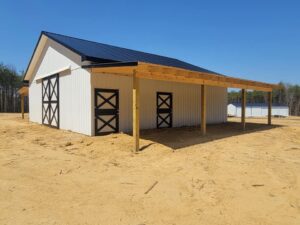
50	101
106	111
164	107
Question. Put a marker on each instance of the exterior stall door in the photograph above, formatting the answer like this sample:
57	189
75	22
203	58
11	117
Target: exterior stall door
106	111
164	107
50	101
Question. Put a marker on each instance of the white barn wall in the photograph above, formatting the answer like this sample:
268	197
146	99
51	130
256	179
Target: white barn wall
257	112
260	111
75	101
238	111
74	88
283	111
231	110
248	111
264	111
35	101
216	104
186	101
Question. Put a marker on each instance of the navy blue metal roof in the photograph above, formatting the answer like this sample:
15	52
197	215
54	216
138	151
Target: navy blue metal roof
103	53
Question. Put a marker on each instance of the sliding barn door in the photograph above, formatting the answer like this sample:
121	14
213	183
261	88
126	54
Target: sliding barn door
50	101
106	111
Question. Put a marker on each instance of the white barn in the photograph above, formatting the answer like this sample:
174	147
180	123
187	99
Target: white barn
257	110
93	88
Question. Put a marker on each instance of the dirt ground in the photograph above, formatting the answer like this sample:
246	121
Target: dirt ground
50	176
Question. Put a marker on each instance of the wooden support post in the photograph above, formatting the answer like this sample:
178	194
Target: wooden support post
136	111
243	116
269	108
22	105
203	109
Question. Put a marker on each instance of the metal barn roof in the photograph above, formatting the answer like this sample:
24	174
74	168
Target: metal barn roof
104	53
121	61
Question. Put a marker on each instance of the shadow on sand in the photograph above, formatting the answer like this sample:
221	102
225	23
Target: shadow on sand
177	138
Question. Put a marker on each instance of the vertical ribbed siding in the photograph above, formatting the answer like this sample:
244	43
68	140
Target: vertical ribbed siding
262	111
35	101
280	110
74	89
75	101
124	85
186	105
216	105
186	101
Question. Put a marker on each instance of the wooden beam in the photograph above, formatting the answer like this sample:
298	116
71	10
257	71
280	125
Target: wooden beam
116	74
22	105
136	111
270	108
126	70
203	109
190	80
243	116
167	73
212	78
23	91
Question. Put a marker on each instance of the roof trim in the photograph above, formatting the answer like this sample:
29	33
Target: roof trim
66	68
31	58
60	42
117	64
97	60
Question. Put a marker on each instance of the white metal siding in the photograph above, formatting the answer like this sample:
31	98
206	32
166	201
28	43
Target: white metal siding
231	110
74	88
238	111
75	101
280	111
256	112
248	111
261	111
35	101
186	101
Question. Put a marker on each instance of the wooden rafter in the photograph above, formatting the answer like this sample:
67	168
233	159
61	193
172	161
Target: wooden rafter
167	73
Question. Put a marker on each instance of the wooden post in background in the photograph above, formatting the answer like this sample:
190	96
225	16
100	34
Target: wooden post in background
203	109
136	111
269	108
243	116
22	105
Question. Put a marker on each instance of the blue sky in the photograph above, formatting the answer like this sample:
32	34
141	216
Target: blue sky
257	40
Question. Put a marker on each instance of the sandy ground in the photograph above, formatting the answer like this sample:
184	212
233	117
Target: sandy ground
49	176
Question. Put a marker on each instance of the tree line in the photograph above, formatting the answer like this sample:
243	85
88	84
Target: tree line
286	94
10	82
